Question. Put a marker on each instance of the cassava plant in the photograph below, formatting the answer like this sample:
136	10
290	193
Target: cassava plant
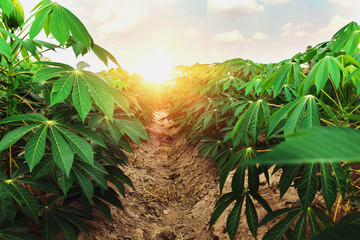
238	109
61	142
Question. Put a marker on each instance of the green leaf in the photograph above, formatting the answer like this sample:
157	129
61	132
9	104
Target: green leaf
328	185
35	147
287	177
81	98
26	201
307	187
100	92
340	231
277	232
66	228
103	55
233	219
71	218
312	117
12	137
80	146
95	174
316	145
277	118
103	207
24	117
62	153
6	6
64	182
295	120
42	184
5	48
59	25
77	29
39	22
278	213
48	225
133	128
48	73
93	136
340	177
251	216
85	183
299	231
62	88
225	170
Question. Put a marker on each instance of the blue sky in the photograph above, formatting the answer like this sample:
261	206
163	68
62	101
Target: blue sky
206	31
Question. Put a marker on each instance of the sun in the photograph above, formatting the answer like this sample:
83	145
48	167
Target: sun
155	68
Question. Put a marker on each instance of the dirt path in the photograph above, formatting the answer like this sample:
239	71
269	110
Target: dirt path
175	192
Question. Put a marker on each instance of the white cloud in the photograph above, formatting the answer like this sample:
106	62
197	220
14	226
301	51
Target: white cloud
307	29
234	8
234	36
260	36
275	1
290	30
345	3
191	33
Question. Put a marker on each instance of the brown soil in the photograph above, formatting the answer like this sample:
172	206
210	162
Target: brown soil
175	192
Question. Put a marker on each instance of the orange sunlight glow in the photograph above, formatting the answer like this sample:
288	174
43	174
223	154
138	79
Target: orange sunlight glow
156	68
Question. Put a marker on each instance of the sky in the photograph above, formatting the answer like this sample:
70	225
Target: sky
142	33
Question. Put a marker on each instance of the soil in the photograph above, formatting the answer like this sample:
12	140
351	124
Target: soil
174	195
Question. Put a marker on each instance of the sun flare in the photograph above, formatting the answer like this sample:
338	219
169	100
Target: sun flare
156	68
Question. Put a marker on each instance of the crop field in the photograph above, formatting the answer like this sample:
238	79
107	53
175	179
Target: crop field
233	149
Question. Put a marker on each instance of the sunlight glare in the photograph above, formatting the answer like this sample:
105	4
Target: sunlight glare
156	68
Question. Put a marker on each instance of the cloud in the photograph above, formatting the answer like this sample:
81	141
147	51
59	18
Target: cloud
307	29
234	36
234	8
275	1
299	30
260	36
345	3
191	33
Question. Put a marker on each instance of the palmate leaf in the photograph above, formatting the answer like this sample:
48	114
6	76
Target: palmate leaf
59	25
5	48
6	6
327	67
91	135
287	177
62	153
225	170
78	29
64	182
66	228
12	137
81	98
80	146
251	122
104	55
39	22
316	145
328	185
251	216
35	147
133	128
48	226
307	187
71	215
100	90
7	208
94	173
233	219
26	201
277	232
299	231
48	73
32	117
85	183
62	88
